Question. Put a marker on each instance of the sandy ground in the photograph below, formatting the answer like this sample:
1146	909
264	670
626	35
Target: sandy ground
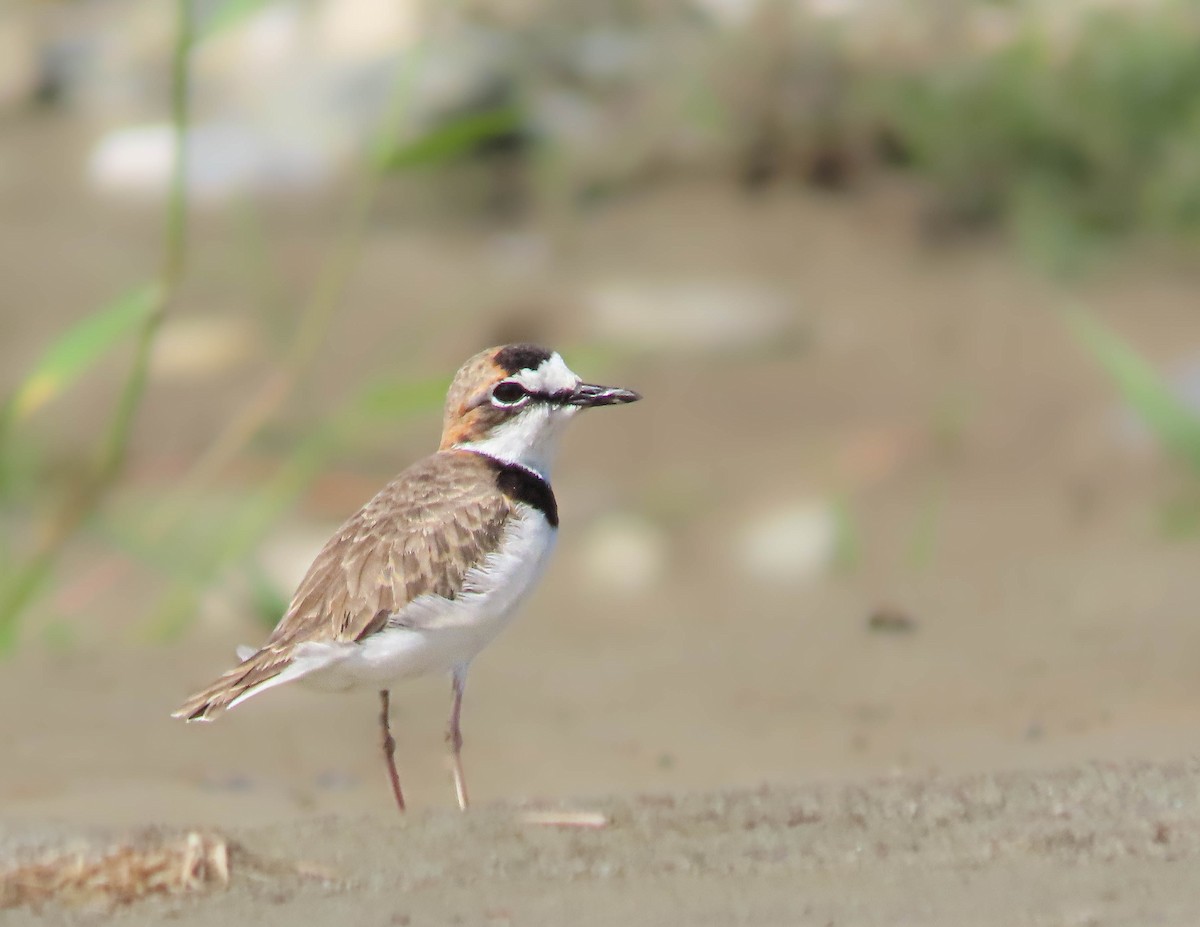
1018	755
1098	844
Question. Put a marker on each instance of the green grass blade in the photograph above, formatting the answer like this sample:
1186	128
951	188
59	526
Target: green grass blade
68	358
1174	425
922	546
847	550
451	139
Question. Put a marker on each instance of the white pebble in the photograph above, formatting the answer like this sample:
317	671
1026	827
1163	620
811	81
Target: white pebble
690	316
191	348
795	543
624	554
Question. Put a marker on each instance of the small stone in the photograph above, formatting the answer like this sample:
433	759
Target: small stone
798	542
890	619
692	316
202	346
625	554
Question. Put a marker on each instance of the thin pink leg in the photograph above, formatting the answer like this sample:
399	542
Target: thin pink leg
389	748
458	680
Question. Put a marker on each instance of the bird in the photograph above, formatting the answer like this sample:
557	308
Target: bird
427	573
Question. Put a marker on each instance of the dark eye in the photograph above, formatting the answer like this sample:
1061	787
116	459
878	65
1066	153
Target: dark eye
508	393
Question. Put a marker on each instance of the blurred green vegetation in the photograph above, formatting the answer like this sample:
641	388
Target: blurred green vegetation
139	314
191	537
1174	425
1070	141
204	529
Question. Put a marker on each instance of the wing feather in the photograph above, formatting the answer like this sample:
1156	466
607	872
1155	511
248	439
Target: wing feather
420	534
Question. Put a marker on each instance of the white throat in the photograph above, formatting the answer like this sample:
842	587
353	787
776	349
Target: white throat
529	440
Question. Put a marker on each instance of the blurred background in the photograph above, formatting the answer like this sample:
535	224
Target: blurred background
910	289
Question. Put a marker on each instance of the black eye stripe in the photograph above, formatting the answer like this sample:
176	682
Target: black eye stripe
511	393
556	398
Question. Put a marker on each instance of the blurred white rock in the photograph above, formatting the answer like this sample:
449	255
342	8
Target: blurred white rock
258	49
794	543
224	160
734	13
196	347
603	55
292	90
352	30
691	315
284	99
265	53
332	69
624	554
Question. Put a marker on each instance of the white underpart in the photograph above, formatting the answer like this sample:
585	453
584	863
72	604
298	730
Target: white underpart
433	634
530	437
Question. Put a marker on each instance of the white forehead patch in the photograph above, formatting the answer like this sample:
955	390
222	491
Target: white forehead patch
552	375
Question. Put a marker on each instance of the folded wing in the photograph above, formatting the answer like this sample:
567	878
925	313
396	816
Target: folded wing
419	535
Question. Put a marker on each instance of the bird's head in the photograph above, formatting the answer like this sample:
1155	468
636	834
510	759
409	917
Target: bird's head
510	402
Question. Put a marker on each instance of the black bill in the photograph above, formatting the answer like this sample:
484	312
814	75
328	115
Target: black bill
589	394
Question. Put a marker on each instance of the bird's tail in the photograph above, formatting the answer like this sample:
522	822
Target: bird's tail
259	671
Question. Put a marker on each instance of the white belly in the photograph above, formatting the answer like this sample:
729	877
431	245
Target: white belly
433	634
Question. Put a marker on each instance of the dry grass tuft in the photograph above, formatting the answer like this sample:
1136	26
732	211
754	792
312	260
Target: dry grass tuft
119	874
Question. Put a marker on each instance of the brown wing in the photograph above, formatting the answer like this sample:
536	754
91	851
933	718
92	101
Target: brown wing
420	534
